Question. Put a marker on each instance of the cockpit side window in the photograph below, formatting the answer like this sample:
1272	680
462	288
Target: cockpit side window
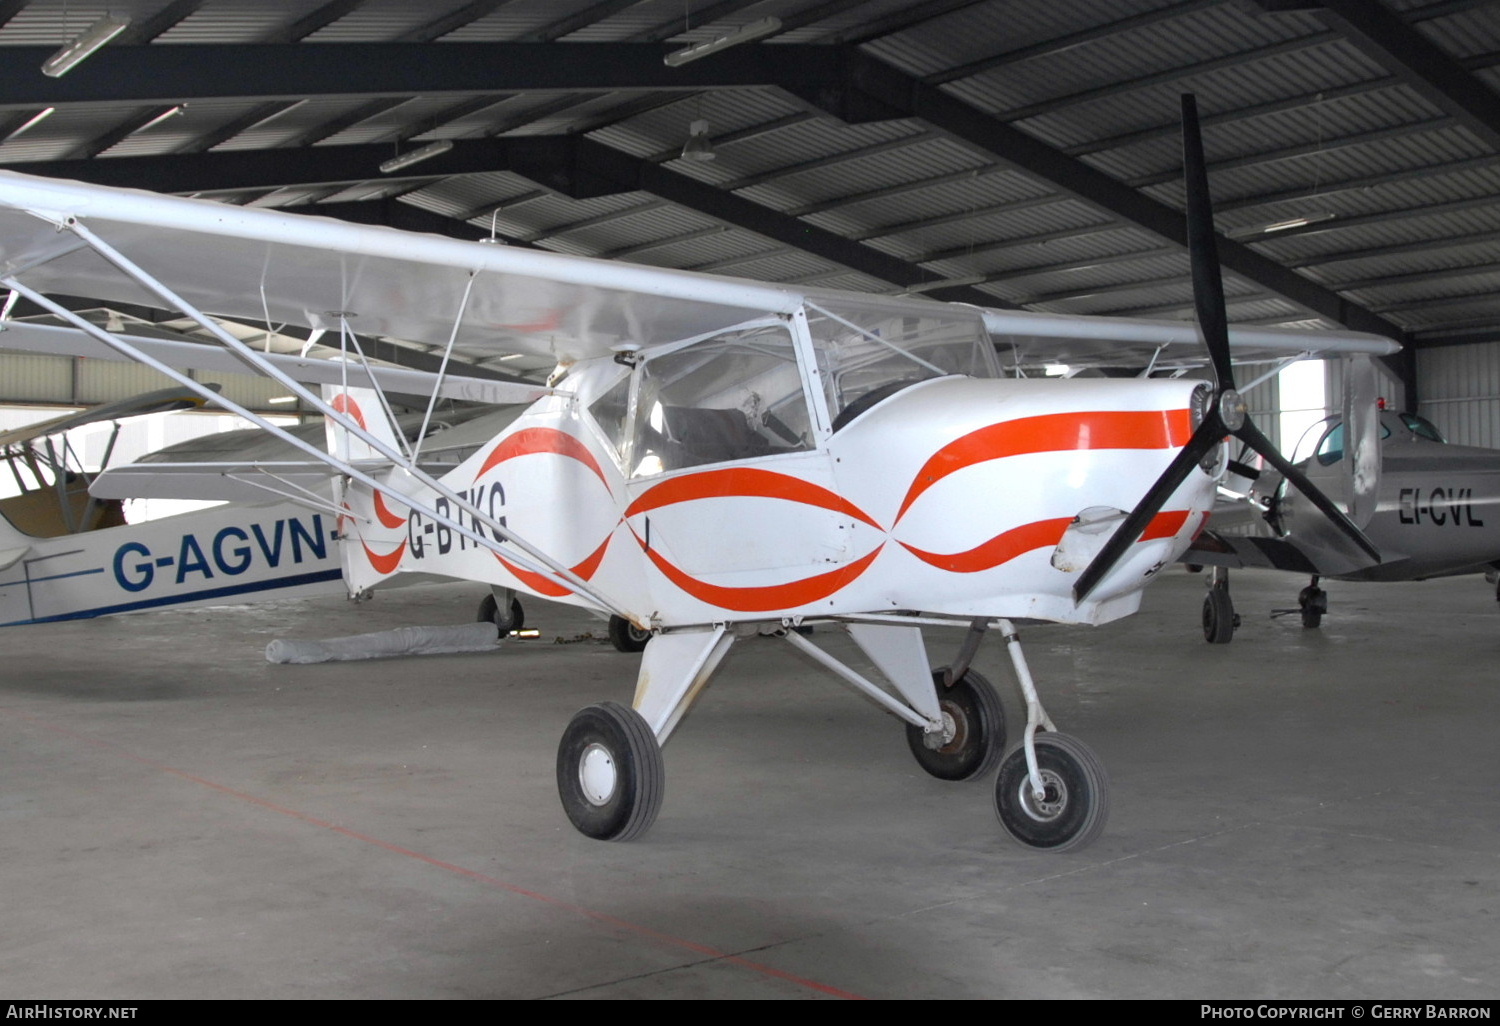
1331	447
733	396
1423	428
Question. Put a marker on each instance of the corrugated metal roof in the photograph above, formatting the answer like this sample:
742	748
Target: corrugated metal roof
1299	121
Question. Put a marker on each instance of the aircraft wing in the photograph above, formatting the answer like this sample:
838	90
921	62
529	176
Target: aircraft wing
260	265
1032	341
47	338
230	481
136	406
492	300
1235	551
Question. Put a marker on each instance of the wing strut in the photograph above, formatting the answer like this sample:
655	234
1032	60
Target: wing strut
533	560
1225	411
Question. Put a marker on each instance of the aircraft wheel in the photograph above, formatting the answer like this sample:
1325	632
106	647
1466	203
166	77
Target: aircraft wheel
973	737
1314	603
610	774
626	636
1075	806
489	611
1219	617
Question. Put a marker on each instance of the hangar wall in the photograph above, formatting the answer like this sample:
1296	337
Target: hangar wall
1460	392
27	378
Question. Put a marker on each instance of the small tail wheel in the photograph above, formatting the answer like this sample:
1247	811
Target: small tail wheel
1075	802
610	775
489	610
1219	618
1313	602
973	735
626	636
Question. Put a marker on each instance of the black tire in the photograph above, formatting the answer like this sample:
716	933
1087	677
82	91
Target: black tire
489	608
977	720
1219	620
1076	805
1314	603
626	636
610	775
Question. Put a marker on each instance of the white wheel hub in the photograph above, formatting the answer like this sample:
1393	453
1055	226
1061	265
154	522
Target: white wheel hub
597	774
1051	804
939	739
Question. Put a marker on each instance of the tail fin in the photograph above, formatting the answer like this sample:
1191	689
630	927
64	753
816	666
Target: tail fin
365	407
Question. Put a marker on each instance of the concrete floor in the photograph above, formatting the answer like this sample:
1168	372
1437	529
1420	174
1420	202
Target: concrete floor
1301	814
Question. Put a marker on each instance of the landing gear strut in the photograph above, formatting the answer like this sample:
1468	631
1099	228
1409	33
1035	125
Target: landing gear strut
1052	793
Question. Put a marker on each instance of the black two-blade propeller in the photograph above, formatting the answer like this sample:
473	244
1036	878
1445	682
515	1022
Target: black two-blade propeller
1226	411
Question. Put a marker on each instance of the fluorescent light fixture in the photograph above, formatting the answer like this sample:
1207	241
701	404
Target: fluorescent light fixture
163	116
744	34
1296	222
416	156
1056	370
282	400
697	146
32	122
75	52
1280	226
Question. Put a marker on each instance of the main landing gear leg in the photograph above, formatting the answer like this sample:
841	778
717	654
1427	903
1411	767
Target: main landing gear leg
610	774
1219	617
1052	792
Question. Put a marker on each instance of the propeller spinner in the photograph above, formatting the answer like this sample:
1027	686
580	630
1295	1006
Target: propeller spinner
1225	412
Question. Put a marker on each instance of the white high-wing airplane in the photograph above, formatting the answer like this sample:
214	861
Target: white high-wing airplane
712	459
66	554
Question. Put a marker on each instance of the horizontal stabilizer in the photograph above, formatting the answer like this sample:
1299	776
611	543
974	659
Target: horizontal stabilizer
10	557
232	482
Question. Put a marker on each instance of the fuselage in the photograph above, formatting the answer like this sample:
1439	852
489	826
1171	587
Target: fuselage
949	495
1437	511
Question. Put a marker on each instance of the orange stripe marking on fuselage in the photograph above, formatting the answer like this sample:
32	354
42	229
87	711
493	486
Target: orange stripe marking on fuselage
1055	432
542	586
745	482
384	514
529	441
768	597
1019	540
387	563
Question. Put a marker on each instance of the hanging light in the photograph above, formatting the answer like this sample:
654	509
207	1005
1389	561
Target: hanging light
744	34
78	50
697	146
416	156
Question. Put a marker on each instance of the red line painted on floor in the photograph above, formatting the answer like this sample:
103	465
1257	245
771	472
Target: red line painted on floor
600	917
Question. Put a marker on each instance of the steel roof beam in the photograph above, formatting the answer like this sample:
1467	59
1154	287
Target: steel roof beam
888	87
1388	40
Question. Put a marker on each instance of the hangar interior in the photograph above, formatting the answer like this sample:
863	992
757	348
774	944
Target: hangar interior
1001	153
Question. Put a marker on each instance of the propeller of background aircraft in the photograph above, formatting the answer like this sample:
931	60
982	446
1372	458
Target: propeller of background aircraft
1224	409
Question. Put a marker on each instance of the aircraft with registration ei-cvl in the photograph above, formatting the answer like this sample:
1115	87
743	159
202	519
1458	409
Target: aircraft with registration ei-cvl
1432	509
715	459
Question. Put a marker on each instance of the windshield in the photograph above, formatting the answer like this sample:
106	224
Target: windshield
868	351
